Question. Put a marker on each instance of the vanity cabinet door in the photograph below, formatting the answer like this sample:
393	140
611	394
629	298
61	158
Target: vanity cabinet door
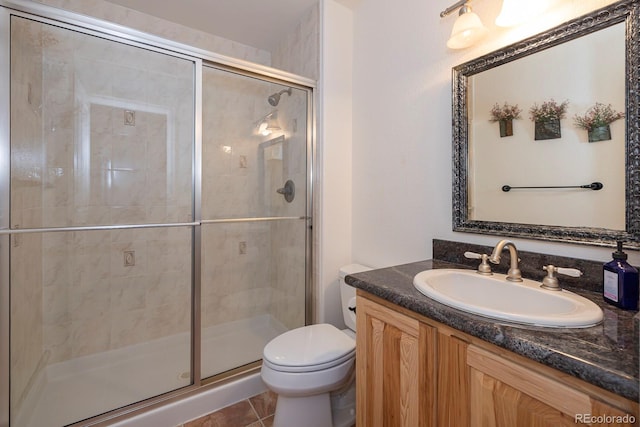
395	362
453	381
504	393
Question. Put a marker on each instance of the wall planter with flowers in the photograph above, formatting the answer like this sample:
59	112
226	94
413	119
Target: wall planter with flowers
547	119
505	115
596	121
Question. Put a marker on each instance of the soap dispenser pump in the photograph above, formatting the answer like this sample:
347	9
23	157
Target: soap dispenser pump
620	281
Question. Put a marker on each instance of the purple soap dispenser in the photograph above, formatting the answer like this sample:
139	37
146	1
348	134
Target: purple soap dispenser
620	281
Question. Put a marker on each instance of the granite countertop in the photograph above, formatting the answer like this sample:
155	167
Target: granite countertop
605	355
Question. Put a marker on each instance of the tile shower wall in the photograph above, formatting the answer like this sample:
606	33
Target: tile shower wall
256	268
288	274
235	278
101	134
233	262
299	51
169	30
94	302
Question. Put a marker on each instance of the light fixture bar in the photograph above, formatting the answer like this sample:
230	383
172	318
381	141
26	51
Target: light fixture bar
452	8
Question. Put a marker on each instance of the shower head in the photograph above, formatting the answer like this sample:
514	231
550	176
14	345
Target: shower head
275	98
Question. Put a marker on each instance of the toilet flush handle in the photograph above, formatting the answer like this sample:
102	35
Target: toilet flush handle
351	305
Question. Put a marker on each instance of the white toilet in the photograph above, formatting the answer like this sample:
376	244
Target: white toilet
312	369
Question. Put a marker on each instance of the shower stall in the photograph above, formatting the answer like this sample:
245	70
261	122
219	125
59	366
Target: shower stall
155	217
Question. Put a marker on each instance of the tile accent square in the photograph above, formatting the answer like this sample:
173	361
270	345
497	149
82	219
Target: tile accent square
129	118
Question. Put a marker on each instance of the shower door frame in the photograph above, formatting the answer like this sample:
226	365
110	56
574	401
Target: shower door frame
200	57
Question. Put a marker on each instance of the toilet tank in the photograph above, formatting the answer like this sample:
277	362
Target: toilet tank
348	294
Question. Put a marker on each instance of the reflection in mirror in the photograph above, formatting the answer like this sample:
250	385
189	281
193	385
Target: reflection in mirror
582	63
583	71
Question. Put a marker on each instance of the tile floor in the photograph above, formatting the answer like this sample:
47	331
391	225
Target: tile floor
257	411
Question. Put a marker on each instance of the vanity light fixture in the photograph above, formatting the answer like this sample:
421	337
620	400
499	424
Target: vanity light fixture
467	29
515	12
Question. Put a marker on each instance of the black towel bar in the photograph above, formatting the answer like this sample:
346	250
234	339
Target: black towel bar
593	186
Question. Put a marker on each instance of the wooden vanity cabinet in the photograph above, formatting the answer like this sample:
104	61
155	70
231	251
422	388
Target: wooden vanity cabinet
395	368
505	393
415	372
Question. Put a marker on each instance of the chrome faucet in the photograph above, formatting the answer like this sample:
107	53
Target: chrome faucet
514	274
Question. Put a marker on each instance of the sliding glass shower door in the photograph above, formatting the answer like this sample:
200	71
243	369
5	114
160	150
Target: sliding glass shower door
101	196
254	215
154	220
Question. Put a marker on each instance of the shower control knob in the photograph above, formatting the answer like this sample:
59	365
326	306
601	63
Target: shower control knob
288	191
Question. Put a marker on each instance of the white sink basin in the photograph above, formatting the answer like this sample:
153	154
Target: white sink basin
521	302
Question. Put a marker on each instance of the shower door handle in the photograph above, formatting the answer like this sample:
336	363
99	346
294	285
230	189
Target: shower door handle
288	191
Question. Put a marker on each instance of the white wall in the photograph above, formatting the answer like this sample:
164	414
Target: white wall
402	126
334	133
401	138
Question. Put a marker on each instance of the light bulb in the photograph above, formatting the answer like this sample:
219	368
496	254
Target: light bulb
515	12
467	30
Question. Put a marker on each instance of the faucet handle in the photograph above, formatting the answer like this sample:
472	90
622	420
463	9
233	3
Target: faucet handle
472	255
550	281
573	272
484	267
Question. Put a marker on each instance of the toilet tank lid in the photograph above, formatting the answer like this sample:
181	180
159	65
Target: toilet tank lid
353	269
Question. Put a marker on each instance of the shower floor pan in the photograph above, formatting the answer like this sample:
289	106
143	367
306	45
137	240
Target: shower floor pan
81	388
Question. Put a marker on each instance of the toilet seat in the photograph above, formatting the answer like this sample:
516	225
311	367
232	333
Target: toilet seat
308	349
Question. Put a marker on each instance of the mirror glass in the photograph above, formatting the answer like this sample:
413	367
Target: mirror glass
566	180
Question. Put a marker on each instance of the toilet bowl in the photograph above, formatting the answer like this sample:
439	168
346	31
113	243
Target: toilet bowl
312	369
